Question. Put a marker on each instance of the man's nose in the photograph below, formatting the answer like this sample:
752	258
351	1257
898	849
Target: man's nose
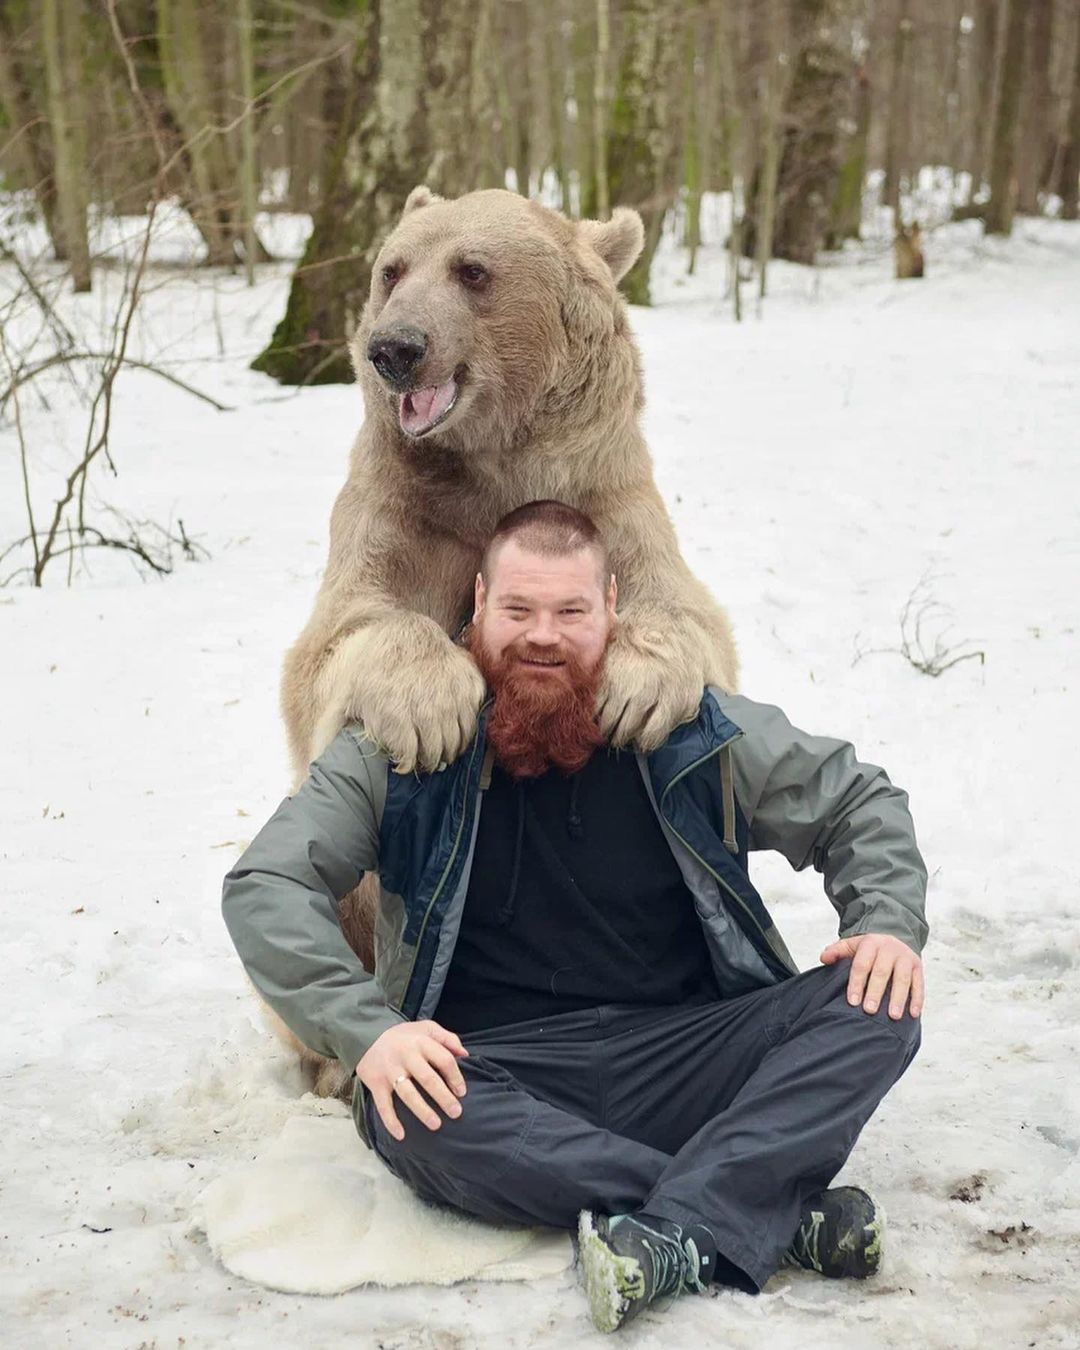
396	354
542	631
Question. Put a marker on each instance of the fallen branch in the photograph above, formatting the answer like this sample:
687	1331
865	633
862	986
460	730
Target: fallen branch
934	660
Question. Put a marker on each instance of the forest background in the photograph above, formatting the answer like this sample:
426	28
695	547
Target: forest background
336	108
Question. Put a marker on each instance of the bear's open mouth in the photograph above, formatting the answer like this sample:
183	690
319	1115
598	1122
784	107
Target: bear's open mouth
421	410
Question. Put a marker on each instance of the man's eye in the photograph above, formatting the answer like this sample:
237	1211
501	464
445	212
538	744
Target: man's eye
472	274
572	611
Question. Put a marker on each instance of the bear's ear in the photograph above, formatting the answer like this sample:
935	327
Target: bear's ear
419	196
618	240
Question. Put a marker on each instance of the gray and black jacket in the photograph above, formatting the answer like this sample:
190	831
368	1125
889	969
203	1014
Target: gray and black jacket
738	778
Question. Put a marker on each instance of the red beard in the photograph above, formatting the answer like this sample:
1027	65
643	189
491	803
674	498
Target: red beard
539	721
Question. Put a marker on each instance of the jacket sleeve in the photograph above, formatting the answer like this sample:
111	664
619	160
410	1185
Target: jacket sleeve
811	799
280	904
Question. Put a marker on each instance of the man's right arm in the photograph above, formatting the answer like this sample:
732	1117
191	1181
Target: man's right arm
280	903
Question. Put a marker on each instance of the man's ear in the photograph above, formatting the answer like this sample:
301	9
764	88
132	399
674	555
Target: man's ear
479	597
618	240
419	196
612	595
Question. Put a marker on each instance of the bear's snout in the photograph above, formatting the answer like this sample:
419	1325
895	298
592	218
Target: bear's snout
395	354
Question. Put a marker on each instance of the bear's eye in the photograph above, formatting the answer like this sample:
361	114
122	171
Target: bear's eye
390	275
473	274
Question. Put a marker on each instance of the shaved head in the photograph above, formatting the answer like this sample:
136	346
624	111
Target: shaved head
549	529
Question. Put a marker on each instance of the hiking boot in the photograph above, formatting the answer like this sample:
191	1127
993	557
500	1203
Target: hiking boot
630	1260
839	1235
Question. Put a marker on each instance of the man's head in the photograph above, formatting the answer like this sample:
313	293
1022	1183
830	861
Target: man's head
544	614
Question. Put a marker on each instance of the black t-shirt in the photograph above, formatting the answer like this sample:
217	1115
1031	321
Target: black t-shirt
574	900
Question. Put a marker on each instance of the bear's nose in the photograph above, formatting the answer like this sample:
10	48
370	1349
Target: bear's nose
395	355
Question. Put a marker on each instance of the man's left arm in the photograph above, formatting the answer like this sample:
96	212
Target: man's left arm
811	799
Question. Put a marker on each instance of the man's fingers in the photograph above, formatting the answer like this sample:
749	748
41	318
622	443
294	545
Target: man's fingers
918	989
901	986
861	966
410	1096
448	1038
425	1075
446	1064
384	1104
879	978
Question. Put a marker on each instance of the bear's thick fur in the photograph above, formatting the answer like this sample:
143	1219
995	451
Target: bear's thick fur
499	322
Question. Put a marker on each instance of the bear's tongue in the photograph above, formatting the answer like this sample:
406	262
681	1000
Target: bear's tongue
420	408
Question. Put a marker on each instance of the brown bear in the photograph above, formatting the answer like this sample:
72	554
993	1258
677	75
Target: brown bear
497	367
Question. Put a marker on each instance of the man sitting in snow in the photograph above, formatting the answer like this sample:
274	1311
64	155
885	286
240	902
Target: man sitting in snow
582	1014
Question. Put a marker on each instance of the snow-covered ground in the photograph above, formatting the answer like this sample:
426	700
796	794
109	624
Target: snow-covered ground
862	439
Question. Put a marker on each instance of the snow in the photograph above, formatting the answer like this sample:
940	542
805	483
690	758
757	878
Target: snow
862	437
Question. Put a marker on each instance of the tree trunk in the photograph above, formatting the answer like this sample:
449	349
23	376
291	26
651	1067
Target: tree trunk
815	110
1002	205
190	80
483	101
597	202
775	96
28	139
249	166
1036	139
990	34
898	149
521	21
554	60
62	46
394	112
693	140
639	152
847	206
1069	179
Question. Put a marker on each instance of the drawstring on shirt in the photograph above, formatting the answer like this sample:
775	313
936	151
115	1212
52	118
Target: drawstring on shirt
573	816
506	913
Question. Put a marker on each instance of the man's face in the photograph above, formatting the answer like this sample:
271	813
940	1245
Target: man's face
536	612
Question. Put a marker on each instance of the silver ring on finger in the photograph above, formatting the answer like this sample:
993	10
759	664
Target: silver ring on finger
401	1078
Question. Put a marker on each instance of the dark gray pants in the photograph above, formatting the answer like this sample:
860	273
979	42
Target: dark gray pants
725	1114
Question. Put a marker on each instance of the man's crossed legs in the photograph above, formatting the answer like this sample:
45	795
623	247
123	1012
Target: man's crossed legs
726	1116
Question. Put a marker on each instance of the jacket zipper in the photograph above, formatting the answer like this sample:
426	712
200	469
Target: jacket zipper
441	883
694	854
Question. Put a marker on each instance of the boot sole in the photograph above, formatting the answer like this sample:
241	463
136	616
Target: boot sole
612	1282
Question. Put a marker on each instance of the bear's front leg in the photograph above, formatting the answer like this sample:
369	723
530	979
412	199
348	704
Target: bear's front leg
655	672
416	693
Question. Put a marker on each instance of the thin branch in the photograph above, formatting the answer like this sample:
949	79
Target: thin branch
24	466
63	358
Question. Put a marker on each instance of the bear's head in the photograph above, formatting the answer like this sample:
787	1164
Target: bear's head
490	312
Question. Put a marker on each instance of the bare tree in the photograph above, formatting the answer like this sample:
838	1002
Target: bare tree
1002	205
61	40
398	102
1069	177
641	158
1036	144
898	148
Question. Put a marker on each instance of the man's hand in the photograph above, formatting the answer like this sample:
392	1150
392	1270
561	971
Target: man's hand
407	1058
875	960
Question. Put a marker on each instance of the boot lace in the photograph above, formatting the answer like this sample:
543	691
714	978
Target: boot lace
805	1247
676	1263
